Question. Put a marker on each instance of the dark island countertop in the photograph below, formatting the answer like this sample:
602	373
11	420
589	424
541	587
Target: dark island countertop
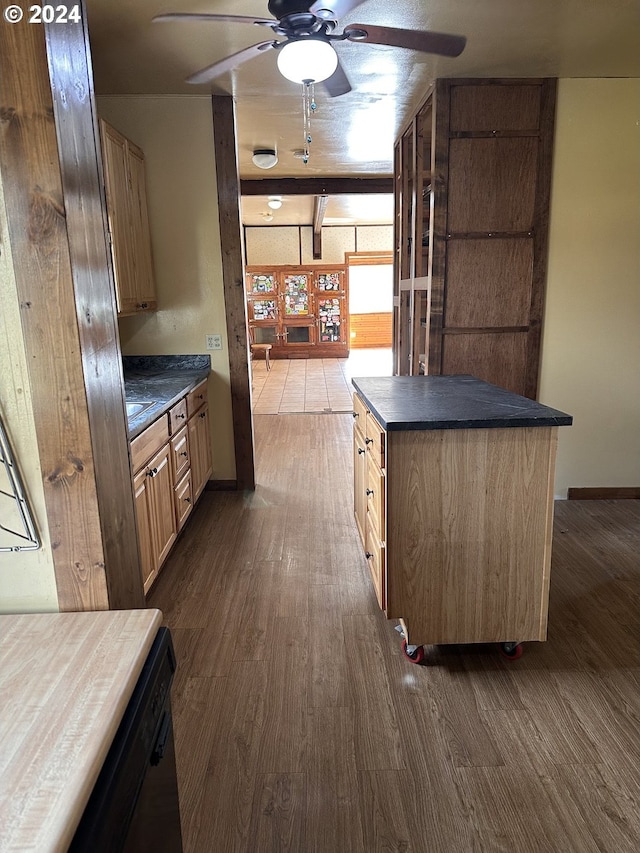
160	381
450	402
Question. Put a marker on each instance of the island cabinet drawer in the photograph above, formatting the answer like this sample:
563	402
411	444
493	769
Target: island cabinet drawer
177	416
375	439
375	553
180	453
375	496
359	413
196	398
149	442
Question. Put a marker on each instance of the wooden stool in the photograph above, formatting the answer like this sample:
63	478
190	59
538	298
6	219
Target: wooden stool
262	348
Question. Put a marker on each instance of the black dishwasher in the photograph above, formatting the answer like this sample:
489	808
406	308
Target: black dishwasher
134	804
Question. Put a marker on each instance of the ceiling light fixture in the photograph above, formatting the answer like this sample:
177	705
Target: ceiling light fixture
265	158
274	202
307	60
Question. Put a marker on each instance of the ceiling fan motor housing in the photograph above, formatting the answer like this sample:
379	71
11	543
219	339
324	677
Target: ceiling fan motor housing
281	8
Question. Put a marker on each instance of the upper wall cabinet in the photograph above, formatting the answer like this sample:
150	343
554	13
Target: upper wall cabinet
472	186
125	186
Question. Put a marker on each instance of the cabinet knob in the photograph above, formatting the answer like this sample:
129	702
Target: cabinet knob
181	415
203	414
369	492
361	450
368	555
368	441
355	414
187	500
184	453
152	472
142	305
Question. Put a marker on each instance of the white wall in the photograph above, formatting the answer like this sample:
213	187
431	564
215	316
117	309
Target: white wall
176	135
293	244
591	333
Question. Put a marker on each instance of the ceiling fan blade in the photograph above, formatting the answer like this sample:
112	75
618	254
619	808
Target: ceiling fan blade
334	10
230	62
195	16
443	44
338	83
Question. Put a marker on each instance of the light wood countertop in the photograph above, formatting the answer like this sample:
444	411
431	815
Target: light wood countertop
65	681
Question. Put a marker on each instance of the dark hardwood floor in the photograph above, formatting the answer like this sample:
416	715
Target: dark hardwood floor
300	726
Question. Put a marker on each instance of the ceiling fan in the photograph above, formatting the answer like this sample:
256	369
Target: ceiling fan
306	54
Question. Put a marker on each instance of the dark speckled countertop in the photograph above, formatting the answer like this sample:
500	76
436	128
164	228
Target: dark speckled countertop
160	380
451	402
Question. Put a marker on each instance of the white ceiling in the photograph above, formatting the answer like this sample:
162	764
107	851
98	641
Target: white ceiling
353	134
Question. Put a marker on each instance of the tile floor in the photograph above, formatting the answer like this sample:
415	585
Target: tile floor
313	385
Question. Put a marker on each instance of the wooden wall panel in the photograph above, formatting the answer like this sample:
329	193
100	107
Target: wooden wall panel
507	166
495	357
492	107
489	282
38	233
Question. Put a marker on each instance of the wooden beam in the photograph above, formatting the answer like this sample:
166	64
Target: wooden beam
56	232
316	186
319	209
224	138
76	122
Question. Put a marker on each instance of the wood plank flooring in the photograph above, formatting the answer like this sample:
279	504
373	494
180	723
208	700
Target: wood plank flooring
301	727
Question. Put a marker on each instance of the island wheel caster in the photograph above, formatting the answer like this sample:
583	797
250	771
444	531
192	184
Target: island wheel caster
414	653
512	651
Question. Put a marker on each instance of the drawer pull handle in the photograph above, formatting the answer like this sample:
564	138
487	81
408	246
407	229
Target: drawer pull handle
142	306
369	492
355	414
203	414
152	472
184	453
200	396
368	441
187	500
361	450
181	415
368	555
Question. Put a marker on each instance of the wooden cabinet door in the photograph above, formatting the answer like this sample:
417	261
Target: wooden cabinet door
145	291
200	449
163	519
148	562
128	217
114	153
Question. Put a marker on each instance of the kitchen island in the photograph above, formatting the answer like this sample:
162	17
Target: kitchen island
453	499
66	681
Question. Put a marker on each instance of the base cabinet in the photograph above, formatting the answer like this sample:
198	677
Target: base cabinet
457	528
171	462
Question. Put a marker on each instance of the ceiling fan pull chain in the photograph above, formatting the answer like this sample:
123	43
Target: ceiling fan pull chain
309	107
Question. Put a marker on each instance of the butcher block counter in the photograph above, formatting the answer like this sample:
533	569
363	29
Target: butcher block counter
65	681
453	499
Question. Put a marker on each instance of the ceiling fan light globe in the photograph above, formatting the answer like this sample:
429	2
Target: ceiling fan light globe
307	60
264	158
274	203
